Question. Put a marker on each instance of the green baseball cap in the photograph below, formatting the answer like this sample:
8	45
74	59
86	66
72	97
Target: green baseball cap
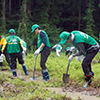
34	27
11	31
68	48
64	36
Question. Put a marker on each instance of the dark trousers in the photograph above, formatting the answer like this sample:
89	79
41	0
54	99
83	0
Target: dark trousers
14	56
7	56
86	64
44	55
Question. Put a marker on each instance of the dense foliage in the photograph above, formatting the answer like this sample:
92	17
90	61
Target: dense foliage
53	16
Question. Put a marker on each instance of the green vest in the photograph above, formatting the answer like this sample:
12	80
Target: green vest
81	37
13	44
59	47
40	40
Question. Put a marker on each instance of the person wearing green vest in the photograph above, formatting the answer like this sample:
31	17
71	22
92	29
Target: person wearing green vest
15	48
58	49
85	44
43	48
99	37
70	50
3	49
24	53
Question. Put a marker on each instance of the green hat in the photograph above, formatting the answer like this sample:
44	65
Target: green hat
34	27
68	48
11	31
64	36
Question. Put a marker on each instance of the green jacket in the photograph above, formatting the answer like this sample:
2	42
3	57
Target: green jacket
81	37
13	44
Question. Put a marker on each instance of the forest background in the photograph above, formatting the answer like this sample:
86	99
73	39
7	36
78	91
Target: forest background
53	16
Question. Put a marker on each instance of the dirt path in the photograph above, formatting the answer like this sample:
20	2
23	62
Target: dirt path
70	91
74	95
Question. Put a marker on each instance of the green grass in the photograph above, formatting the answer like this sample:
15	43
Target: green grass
31	90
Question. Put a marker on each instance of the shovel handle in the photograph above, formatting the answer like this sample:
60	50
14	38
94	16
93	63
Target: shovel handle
67	67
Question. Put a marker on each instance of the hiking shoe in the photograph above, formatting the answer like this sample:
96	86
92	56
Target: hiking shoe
87	83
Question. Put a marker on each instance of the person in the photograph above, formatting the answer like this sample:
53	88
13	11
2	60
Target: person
3	49
58	49
1	60
85	44
99	49
72	50
43	48
14	48
24	53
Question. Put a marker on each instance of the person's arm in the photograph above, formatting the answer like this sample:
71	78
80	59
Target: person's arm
3	43
43	37
81	49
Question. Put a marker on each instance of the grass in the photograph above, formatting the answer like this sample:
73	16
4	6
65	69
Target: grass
22	89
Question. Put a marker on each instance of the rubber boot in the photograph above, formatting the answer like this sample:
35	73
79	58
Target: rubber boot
45	74
14	72
10	67
25	70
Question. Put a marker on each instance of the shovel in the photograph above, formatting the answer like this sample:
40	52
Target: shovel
34	78
66	76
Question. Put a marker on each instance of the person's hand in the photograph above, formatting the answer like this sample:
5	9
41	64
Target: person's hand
70	57
37	51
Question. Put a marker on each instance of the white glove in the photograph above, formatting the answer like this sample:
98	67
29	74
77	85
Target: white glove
54	46
70	57
37	52
57	52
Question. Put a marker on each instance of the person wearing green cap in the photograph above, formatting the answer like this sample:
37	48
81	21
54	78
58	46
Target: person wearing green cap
70	50
85	44
15	48
58	49
43	48
24	53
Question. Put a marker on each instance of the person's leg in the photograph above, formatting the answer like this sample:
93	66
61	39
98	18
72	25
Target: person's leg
44	55
21	61
7	56
14	64
86	65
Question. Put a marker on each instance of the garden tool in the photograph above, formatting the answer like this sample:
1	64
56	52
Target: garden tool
34	78
66	75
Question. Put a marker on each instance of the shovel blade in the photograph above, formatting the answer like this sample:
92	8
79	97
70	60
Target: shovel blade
65	78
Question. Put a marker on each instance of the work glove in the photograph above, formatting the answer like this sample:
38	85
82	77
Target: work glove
70	57
37	51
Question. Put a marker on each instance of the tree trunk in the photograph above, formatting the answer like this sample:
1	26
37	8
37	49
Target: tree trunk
3	16
9	8
23	19
79	14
